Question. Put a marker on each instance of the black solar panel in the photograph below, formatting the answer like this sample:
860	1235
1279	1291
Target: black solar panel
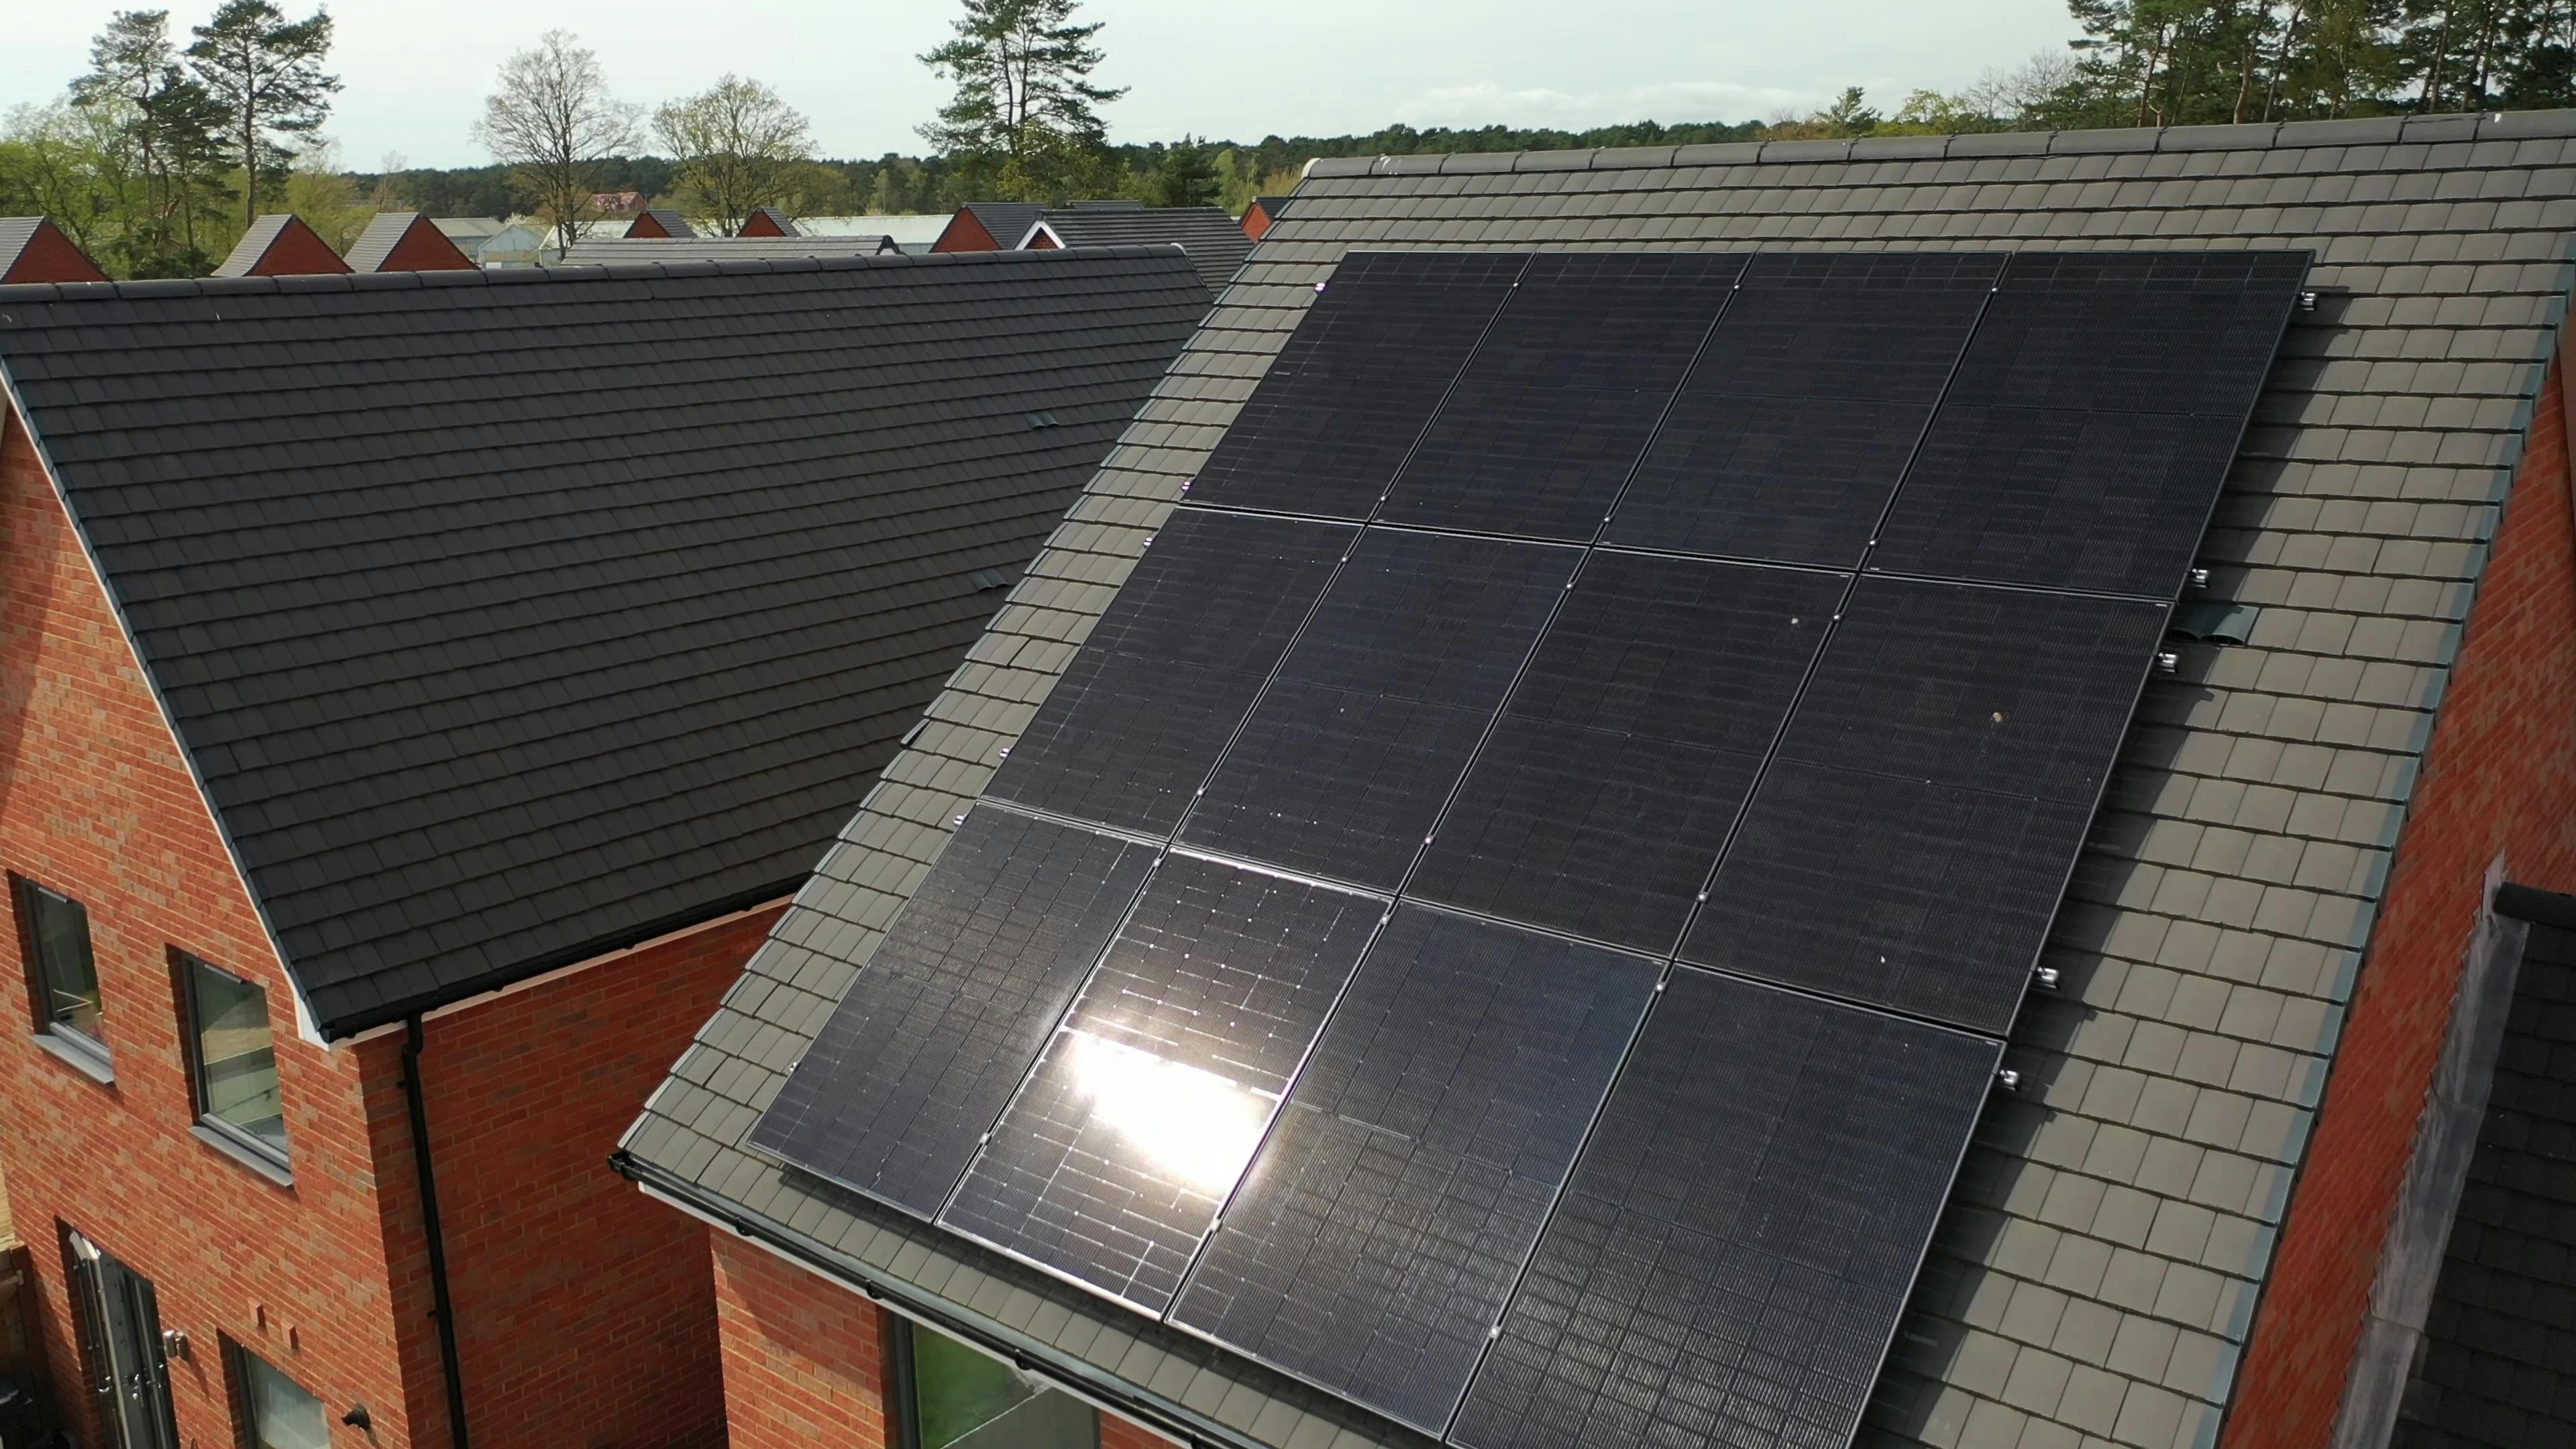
1729	1261
1343	766
921	1055
1135	724
1909	843
2102	501
1378	1233
1149	1101
1553	412
1790	433
1628	748
2147	332
1864	775
1343	402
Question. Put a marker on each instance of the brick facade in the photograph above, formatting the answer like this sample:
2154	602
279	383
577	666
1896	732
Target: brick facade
2499	780
424	248
965	234
582	1306
804	1359
585	1311
49	256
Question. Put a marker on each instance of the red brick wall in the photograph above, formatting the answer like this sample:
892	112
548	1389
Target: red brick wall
1117	1433
49	256
761	225
424	248
648	226
586	1313
965	234
298	251
2499	779
95	802
1041	242
803	1357
1255	222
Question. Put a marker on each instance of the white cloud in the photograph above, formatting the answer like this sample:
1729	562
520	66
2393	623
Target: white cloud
1485	104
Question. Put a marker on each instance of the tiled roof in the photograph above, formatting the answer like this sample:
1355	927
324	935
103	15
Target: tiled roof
671	222
2096	1273
254	244
15	233
1008	221
384	229
488	663
1214	240
2498	1369
627	251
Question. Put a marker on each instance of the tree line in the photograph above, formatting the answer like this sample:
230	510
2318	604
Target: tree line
156	157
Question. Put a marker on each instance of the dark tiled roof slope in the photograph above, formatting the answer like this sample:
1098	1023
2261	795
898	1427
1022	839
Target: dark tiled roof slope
2499	1366
628	251
487	661
671	222
1008	221
1214	240
2097	1271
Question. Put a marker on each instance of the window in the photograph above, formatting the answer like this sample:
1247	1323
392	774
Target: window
61	971
277	1411
949	1396
233	1059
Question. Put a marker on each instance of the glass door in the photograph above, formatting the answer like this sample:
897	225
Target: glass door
131	1378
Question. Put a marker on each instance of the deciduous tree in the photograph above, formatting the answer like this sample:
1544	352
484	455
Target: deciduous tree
737	147
551	120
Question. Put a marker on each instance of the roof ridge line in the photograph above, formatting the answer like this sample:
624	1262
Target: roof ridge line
2249	136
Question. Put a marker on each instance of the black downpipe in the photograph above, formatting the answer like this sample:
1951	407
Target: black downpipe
442	1307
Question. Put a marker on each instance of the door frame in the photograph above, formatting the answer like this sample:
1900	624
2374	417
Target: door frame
134	1414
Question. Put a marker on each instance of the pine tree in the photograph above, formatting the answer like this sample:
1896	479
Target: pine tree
174	129
266	73
1186	177
1025	106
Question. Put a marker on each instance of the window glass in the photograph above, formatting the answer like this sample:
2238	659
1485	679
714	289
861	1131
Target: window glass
236	1059
67	997
282	1415
966	1400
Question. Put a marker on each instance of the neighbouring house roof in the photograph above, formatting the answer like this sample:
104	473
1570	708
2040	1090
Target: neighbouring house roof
283	245
481	680
771	221
912	233
388	232
660	221
2493	1370
1214	240
621	251
33	249
1005	221
2096	1273
468	226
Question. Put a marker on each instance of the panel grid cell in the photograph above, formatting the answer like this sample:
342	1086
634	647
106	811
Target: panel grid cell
1344	765
1629	746
1378	1233
925	1048
1729	1260
1351	390
1132	729
1148	1103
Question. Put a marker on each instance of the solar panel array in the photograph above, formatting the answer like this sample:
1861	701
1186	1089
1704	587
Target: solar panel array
1511	915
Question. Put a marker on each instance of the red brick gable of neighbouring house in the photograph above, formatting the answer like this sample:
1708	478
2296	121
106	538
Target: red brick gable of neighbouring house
282	246
33	249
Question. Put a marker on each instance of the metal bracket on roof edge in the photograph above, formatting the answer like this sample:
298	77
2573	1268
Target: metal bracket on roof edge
2199	581
2045	978
2008	1080
2168	662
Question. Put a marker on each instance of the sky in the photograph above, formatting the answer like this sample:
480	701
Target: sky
414	73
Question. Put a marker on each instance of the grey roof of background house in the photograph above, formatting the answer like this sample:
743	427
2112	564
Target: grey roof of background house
2096	1273
254	244
1214	239
482	680
619	251
384	230
15	233
1007	221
